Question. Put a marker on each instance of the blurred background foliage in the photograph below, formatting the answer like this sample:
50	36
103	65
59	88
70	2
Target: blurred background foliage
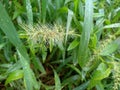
59	45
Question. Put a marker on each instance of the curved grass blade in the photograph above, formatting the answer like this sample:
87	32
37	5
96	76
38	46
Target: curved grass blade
82	87
76	69
73	44
115	25
14	76
102	72
57	81
109	49
70	80
29	78
8	28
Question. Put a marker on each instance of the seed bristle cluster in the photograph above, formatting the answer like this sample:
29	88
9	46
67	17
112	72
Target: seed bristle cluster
40	34
116	76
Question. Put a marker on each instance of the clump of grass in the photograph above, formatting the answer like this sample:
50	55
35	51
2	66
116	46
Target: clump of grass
97	51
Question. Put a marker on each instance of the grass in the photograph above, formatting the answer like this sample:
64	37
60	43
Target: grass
59	45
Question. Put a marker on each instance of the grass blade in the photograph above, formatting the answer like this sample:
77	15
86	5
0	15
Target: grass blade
74	44
8	28
29	12
109	49
76	69
43	10
29	77
57	81
39	8
115	25
82	87
14	76
88	22
69	19
76	3
102	72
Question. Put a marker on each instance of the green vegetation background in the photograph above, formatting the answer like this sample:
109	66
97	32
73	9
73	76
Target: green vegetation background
59	45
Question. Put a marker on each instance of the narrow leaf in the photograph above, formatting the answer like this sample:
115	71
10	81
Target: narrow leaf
85	37
43	10
8	28
102	72
109	49
29	12
57	81
2	45
73	45
82	87
76	69
69	19
116	25
14	76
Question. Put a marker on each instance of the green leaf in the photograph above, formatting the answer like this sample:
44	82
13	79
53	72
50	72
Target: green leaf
117	41
2	77
81	9
57	3
44	53
98	27
67	1
43	10
85	37
69	20
14	67
82	87
51	45
76	69
63	10
14	76
29	12
93	41
110	48
57	81
38	65
47	87
115	25
2	45
39	7
73	45
71	80
102	72
8	28
76	3
100	86
60	46
29	77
